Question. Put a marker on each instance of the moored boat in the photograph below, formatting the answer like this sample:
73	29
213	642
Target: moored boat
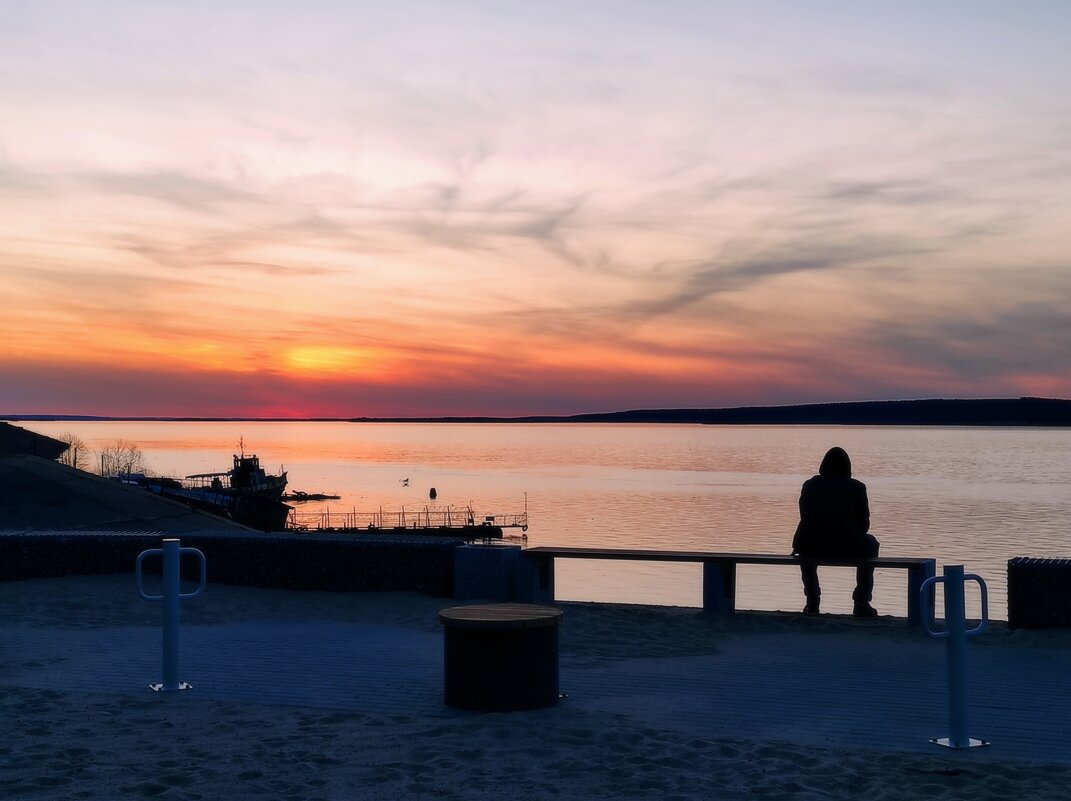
247	477
246	493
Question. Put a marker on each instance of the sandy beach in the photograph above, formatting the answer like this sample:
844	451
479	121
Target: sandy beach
338	696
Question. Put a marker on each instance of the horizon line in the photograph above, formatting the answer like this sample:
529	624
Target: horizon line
577	416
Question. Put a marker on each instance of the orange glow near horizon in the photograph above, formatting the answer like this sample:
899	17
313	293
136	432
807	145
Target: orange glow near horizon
325	359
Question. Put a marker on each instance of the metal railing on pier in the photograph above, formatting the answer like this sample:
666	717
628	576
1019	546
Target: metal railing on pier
425	518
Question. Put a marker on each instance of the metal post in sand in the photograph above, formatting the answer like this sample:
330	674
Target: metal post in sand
171	551
955	634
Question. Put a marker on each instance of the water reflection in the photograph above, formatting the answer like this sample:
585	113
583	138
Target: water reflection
965	496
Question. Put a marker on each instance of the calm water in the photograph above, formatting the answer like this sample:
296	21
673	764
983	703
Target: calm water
975	497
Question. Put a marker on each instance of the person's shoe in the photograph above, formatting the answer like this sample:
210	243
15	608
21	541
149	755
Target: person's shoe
863	609
811	608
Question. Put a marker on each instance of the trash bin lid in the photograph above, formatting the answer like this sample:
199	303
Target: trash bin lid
500	616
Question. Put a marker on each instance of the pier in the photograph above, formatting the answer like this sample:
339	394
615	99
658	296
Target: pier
450	518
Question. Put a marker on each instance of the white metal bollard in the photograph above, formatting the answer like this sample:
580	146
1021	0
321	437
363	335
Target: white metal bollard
172	554
956	634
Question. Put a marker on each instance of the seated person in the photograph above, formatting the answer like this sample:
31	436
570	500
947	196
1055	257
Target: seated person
834	523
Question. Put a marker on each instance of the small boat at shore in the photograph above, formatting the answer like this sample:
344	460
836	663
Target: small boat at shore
297	496
246	493
246	477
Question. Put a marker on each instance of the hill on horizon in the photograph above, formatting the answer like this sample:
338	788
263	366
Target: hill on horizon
941	411
1027	411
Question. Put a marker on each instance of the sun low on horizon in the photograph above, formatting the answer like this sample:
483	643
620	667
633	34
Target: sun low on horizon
420	209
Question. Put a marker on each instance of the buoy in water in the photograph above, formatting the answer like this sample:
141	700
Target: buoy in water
433	494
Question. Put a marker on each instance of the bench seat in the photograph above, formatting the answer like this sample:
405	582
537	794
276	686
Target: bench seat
719	571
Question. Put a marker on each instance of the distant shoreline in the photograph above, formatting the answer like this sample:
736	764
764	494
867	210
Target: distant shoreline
1033	412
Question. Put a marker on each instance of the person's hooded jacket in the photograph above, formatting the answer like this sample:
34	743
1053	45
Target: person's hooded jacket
834	511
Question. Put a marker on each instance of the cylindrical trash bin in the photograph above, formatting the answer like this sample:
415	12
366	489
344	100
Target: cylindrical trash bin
500	657
1037	593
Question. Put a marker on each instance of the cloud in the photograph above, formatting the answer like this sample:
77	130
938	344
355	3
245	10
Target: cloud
892	192
183	190
776	199
275	269
116	286
882	83
1032	337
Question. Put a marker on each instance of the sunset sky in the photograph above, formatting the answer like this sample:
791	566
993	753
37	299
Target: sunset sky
472	207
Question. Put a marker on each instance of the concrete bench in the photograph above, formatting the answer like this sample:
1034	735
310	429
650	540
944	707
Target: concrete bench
719	571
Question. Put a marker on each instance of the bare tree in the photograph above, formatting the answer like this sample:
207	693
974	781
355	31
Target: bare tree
121	458
77	454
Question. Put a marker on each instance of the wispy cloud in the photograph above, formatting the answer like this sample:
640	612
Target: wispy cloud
183	190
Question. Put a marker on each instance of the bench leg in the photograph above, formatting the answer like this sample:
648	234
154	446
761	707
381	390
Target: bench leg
916	606
535	583
719	587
